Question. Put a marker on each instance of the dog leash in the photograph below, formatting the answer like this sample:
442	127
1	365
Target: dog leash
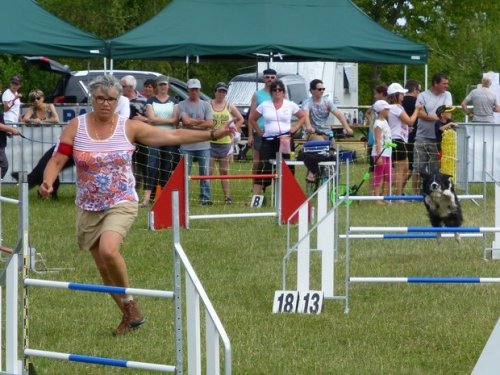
35	140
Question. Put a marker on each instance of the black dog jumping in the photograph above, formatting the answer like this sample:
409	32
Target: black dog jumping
441	201
35	178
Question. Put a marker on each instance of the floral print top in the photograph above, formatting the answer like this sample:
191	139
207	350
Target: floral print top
103	168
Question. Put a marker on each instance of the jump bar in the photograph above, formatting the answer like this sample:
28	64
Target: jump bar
426	280
404	236
425	229
233	177
404	197
99	360
99	288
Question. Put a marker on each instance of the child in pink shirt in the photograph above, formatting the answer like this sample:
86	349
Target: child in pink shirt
381	155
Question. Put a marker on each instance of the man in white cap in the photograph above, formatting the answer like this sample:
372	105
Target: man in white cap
12	100
196	114
12	106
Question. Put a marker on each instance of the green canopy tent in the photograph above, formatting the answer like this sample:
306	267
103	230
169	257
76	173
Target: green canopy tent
296	30
28	29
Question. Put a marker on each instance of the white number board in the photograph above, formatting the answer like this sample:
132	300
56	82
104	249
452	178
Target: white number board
292	301
257	201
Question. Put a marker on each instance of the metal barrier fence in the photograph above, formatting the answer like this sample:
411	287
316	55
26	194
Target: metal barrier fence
476	143
23	153
477	160
190	308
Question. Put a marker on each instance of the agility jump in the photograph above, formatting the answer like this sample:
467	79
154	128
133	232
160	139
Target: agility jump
188	303
289	196
329	245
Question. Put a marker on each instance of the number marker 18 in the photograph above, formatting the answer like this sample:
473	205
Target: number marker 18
291	301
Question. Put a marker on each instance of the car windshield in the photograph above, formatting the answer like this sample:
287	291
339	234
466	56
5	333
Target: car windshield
240	92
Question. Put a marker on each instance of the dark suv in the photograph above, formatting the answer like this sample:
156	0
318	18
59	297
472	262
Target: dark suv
71	95
72	87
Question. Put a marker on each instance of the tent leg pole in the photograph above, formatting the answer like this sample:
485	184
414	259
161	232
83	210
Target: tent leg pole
426	75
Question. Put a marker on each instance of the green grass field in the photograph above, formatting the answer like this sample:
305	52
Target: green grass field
391	328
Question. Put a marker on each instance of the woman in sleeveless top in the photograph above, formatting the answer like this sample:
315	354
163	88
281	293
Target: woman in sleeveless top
221	149
102	144
40	112
400	124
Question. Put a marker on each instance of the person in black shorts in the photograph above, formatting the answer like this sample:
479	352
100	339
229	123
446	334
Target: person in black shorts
409	101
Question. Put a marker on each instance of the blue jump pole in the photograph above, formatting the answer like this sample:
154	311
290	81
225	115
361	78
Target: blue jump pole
403	197
98	360
426	280
99	288
404	236
426	229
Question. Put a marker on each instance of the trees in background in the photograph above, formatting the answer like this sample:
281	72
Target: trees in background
461	37
115	17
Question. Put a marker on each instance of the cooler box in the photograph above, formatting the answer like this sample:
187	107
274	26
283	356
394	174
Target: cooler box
317	147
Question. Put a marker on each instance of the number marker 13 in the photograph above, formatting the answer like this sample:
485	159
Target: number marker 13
290	301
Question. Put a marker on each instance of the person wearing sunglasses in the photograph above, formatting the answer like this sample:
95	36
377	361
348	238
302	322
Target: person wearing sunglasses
40	112
318	109
254	130
278	129
102	144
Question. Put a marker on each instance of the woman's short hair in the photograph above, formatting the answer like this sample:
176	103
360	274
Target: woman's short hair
36	93
277	84
150	82
105	83
129	80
